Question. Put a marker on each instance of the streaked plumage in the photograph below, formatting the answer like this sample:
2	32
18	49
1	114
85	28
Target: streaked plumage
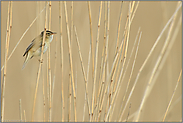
34	49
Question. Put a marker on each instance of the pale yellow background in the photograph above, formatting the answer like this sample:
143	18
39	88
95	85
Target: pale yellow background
150	16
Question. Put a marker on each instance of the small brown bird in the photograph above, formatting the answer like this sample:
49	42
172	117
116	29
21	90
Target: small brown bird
34	49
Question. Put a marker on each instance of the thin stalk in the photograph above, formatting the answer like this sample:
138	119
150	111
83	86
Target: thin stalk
147	58
103	60
118	65
165	56
24	116
72	22
119	25
20	110
130	73
117	45
5	62
70	99
91	39
96	57
107	40
123	64
103	50
62	61
132	16
132	66
108	77
49	69
54	76
108	80
71	40
70	60
128	113
91	46
177	28
83	69
44	103
11	14
47	83
172	96
49	24
40	66
89	56
150	85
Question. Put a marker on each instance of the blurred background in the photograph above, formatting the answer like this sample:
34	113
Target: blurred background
151	17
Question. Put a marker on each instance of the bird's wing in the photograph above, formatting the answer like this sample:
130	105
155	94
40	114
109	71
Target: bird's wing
29	47
36	43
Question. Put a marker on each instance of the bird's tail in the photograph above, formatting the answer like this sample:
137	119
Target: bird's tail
26	60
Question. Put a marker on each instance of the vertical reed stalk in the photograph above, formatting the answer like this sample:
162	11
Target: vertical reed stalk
119	25
96	57
91	39
24	116
71	40
70	60
44	103
6	59
91	44
83	69
61	54
40	66
89	109
117	46
70	99
54	76
49	69
107	39
103	59
20	109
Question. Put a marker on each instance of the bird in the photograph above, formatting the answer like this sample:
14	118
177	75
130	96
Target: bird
34	48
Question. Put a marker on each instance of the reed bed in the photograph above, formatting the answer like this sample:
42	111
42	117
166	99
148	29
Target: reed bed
109	62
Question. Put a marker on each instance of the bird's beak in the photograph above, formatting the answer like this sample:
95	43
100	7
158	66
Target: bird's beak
54	33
